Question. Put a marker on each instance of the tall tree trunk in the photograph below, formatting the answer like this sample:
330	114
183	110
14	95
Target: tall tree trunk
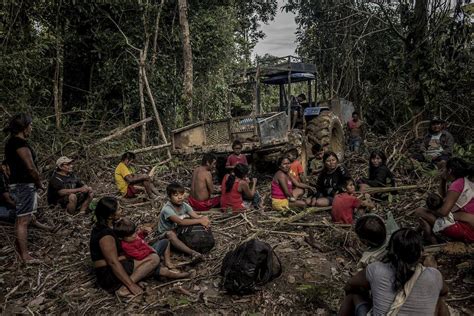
58	71
141	67
416	53
187	60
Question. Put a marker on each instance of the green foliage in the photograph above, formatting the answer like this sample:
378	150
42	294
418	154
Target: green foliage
392	60
100	69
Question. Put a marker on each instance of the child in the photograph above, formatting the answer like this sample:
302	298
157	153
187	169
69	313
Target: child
375	234
125	179
236	157
296	169
379	174
316	163
176	213
345	203
135	247
434	201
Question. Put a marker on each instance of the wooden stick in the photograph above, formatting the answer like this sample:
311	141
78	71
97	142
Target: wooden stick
320	225
279	232
121	132
299	216
389	189
140	150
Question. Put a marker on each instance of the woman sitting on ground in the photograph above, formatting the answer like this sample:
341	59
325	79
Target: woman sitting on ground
330	180
115	272
282	188
237	193
455	217
379	174
398	285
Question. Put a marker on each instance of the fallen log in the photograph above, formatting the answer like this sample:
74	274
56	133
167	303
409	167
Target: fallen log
121	132
294	218
140	150
390	189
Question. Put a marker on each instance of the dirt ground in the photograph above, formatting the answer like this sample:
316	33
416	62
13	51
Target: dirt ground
317	260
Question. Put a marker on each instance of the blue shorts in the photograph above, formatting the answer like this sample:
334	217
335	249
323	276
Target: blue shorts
25	197
160	246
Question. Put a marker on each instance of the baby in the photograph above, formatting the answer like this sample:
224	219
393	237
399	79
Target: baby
134	246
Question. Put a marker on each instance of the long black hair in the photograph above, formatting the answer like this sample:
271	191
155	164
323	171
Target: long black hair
372	168
460	168
240	171
106	207
18	123
403	253
326	155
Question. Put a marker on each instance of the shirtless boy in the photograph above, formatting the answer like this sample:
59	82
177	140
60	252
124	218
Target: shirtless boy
356	131
202	186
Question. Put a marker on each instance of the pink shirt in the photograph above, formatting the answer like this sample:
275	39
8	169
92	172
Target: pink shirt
277	192
233	160
458	186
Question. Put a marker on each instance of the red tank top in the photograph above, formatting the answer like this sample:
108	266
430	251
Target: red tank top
233	198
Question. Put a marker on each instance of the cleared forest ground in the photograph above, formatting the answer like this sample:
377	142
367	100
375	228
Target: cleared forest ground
317	261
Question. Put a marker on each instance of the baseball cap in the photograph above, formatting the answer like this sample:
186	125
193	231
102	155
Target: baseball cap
436	119
63	160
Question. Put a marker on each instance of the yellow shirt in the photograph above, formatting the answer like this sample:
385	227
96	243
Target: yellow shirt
120	173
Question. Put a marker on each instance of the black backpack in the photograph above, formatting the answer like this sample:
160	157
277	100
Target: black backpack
248	266
196	237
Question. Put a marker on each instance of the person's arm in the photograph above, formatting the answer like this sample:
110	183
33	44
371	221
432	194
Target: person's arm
27	158
109	250
448	203
448	145
464	217
7	198
300	185
380	179
228	164
136	178
367	202
357	283
203	220
64	192
282	183
209	184
246	190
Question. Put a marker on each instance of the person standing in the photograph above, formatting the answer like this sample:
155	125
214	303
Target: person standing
24	178
356	131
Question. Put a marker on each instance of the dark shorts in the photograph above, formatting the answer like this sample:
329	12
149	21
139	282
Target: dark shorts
160	246
362	309
25	197
320	196
131	191
107	279
81	197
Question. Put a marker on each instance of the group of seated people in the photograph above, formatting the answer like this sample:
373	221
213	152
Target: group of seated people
122	257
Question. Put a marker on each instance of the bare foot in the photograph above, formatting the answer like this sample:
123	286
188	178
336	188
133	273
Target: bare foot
170	265
28	259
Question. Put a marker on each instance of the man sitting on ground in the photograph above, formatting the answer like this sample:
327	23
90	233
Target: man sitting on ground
126	179
437	145
67	190
202	186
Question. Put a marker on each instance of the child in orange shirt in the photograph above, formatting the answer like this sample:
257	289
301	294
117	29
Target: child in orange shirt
296	171
345	203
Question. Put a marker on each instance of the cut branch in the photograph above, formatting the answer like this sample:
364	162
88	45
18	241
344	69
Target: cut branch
121	132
